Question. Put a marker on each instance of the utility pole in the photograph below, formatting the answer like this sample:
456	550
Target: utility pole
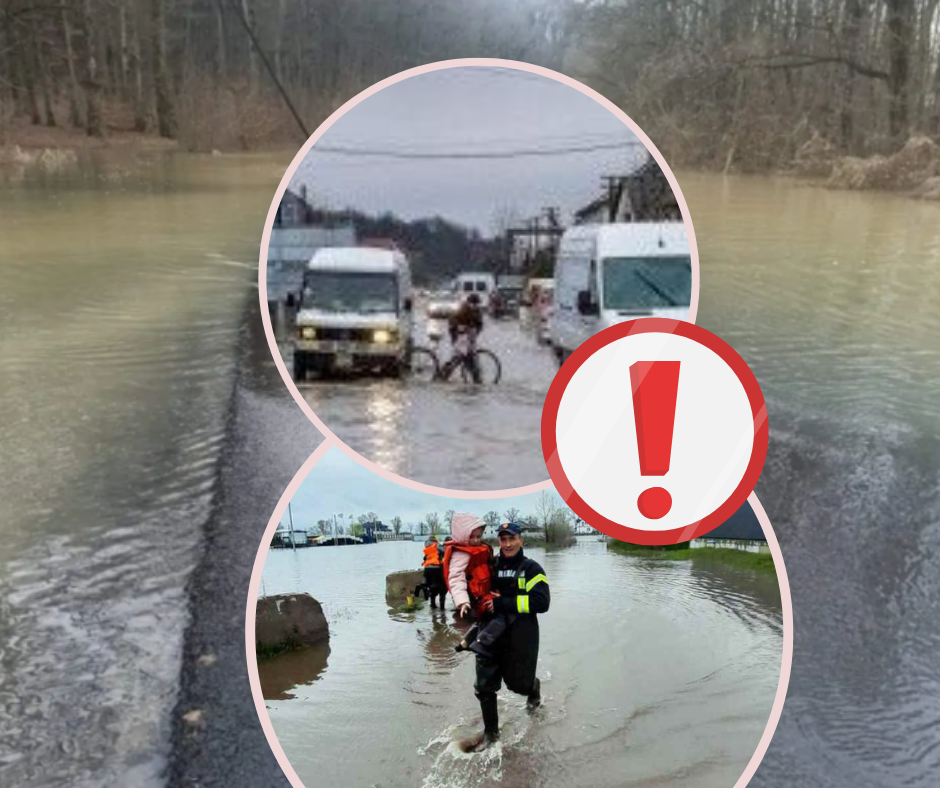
290	518
613	185
551	221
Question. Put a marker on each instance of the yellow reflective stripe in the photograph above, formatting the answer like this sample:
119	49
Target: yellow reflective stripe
521	583
522	604
535	581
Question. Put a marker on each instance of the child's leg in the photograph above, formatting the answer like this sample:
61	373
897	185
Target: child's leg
471	635
495	627
469	638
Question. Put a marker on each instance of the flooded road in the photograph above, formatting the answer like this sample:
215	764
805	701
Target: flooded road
831	298
652	673
123	286
452	434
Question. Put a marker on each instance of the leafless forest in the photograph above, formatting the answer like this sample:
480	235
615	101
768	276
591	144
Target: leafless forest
726	84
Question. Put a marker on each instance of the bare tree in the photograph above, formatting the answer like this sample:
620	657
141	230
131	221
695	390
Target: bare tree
545	508
433	522
512	514
166	116
396	524
94	123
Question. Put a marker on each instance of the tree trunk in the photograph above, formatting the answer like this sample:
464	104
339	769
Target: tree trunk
94	125
137	78
933	120
252	55
900	15
166	116
124	54
278	40
75	112
850	37
30	77
221	62
44	80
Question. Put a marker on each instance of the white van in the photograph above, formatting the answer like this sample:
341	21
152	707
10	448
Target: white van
355	312
484	285
610	273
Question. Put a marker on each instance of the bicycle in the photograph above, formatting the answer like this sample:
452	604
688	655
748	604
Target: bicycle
476	364
422	364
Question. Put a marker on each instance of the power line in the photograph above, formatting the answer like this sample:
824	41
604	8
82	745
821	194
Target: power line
572	138
267	65
506	154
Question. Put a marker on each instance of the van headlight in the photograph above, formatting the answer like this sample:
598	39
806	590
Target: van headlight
308	332
383	336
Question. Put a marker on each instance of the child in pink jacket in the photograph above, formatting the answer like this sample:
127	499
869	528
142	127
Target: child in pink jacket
467	531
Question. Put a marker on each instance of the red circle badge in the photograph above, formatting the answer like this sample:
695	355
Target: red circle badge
654	431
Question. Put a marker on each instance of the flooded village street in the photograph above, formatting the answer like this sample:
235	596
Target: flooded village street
652	673
487	437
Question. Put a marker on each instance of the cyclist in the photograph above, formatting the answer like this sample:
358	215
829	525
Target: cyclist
466	320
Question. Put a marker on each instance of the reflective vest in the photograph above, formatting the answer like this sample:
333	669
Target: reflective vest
479	575
431	556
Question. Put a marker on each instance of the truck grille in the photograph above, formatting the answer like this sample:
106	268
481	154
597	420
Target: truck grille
345	334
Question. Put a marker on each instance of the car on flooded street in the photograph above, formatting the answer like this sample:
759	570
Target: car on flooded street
354	314
441	307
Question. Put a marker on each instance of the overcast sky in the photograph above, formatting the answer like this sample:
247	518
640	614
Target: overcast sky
338	485
470	110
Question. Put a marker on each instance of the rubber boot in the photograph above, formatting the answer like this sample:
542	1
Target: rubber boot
535	697
490	719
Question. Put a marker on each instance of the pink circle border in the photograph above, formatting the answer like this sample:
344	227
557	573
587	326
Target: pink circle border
254	681
301	154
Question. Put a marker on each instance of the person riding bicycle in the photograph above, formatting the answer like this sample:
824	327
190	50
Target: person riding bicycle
466	321
467	318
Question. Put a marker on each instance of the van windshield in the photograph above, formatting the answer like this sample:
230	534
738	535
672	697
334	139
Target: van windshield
647	282
350	291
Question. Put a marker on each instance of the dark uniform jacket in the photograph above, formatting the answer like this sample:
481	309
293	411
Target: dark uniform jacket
523	590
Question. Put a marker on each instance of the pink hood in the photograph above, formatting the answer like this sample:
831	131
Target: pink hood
462	525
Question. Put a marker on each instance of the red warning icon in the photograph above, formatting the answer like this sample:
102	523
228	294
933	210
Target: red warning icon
654	385
676	457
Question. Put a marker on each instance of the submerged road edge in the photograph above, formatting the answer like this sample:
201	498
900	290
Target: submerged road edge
216	737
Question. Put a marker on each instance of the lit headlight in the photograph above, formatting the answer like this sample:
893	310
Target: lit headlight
308	332
383	336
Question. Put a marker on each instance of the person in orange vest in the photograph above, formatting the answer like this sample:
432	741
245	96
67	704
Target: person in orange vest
434	586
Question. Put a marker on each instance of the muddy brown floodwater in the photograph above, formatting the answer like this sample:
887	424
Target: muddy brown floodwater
652	673
831	298
123	283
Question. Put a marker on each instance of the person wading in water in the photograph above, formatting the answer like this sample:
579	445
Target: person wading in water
517	593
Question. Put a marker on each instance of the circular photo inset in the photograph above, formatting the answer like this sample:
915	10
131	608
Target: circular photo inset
444	242
401	638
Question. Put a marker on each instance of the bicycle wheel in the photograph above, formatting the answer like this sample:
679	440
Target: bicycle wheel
423	364
481	367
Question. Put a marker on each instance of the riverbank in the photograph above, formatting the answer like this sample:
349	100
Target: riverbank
913	171
29	138
739	559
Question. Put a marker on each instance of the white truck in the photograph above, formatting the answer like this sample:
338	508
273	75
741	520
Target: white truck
610	273
355	313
